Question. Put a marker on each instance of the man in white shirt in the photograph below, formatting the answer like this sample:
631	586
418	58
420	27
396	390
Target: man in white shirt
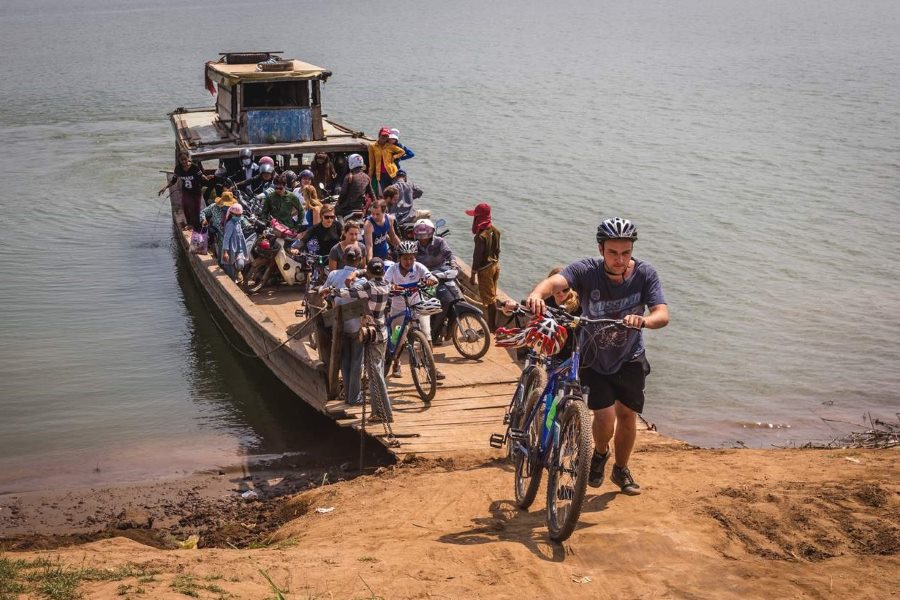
405	272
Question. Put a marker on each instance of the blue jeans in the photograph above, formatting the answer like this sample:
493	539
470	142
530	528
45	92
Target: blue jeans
351	368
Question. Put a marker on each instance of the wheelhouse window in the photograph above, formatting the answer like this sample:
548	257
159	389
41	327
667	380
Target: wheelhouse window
276	94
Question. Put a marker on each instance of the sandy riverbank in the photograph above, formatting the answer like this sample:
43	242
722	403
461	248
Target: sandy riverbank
711	524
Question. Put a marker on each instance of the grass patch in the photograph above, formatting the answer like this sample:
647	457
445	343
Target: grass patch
9	573
118	573
189	586
288	543
55	581
278	593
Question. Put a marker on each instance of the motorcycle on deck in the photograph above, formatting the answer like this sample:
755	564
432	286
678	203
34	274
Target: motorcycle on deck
458	320
269	256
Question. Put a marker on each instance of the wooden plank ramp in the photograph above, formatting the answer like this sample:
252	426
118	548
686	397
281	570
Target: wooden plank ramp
467	408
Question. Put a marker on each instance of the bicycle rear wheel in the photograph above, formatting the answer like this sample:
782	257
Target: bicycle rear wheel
421	364
569	469
527	458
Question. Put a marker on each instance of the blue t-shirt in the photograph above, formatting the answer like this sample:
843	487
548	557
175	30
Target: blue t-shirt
606	349
380	237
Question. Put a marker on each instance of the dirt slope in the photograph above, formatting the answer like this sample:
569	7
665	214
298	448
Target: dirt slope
710	524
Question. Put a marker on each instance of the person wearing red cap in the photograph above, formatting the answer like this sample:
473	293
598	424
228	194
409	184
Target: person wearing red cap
382	160
486	260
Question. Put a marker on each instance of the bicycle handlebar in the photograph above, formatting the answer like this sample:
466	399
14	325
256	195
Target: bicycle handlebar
561	315
409	288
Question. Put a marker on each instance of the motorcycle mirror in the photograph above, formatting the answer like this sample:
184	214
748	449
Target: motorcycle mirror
439	223
321	186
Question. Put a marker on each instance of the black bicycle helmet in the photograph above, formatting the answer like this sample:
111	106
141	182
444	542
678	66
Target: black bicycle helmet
616	229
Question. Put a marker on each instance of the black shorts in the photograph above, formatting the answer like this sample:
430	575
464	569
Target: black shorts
626	386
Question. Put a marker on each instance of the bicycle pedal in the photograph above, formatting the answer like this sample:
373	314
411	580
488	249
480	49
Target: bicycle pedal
506	419
298	312
516	434
497	440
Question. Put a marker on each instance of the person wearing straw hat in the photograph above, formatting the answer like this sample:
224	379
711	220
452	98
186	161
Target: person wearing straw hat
486	260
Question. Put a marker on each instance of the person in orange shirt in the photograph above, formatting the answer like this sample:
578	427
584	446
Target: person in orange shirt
382	157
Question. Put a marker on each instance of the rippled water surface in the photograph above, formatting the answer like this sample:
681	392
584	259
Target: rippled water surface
755	144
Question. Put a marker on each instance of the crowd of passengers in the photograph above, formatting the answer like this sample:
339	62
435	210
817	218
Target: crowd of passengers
359	213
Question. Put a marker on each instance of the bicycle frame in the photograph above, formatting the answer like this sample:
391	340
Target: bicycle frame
557	379
409	320
561	378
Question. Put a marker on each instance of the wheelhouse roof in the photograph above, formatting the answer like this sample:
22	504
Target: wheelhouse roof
223	73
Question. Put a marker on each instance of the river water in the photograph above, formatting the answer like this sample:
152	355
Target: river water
755	144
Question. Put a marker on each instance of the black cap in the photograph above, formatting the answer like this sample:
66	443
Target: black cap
375	266
352	254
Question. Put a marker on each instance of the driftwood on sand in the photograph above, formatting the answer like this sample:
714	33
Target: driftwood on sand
873	433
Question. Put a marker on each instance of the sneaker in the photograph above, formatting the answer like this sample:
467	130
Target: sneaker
621	476
598	466
395	370
438	375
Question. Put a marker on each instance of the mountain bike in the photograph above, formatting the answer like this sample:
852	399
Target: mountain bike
534	376
406	334
554	433
316	269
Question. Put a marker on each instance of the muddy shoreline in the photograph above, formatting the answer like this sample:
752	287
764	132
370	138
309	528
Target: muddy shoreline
233	507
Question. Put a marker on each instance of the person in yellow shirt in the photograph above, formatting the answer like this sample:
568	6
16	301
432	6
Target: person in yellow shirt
382	157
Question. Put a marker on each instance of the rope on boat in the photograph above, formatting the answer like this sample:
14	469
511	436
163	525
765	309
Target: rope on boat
378	401
254	354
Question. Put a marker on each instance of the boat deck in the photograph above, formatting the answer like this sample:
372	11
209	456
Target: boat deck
466	410
468	406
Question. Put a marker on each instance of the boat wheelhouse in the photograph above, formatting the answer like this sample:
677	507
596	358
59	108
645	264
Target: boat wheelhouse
265	102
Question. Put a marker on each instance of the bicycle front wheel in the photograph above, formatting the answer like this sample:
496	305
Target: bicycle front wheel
421	364
527	452
569	469
536	379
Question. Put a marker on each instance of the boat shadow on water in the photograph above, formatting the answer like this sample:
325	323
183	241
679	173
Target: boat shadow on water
246	397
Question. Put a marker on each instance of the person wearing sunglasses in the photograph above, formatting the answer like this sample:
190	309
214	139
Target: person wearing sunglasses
321	237
282	205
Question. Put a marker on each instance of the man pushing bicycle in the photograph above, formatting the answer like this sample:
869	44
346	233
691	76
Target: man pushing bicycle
614	366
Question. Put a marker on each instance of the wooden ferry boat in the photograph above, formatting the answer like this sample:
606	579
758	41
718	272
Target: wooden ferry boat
273	106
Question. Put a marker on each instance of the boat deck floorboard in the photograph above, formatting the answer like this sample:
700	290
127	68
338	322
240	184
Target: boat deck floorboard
468	406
